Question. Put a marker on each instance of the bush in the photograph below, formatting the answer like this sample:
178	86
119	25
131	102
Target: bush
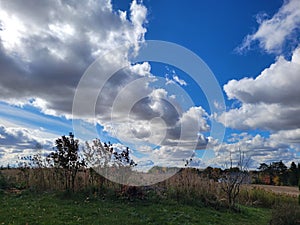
3	182
285	214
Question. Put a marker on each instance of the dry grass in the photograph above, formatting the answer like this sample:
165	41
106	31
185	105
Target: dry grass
188	185
292	191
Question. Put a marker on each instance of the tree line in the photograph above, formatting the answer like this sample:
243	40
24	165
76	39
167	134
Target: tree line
277	173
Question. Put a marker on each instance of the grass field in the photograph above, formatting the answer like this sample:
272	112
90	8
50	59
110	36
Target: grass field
50	208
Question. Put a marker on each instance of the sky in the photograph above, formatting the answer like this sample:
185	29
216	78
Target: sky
72	66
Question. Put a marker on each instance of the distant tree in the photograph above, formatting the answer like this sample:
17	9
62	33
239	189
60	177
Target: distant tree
293	166
265	174
279	169
208	172
216	173
212	173
263	167
66	157
276	172
293	176
279	174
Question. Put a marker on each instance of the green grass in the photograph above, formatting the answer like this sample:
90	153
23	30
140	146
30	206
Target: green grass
48	208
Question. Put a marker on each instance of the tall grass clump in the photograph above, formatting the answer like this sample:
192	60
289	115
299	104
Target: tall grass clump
187	186
285	214
262	198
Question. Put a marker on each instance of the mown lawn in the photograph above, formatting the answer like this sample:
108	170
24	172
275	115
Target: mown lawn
51	208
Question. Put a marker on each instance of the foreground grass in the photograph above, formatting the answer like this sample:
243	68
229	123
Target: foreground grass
48	208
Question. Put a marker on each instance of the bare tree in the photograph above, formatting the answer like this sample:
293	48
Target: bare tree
233	177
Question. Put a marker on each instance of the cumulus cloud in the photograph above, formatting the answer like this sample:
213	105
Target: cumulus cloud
46	47
180	141
155	120
270	101
17	142
276	84
292	137
273	33
272	117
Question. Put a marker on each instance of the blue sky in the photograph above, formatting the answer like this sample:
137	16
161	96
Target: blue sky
251	47
212	29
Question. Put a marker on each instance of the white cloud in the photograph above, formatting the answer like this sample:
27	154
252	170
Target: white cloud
179	81
255	149
138	14
276	84
175	78
46	47
273	33
262	116
155	121
18	142
291	137
270	101
156	98
142	69
195	117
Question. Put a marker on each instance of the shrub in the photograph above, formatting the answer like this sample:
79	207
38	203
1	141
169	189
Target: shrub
3	182
285	214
